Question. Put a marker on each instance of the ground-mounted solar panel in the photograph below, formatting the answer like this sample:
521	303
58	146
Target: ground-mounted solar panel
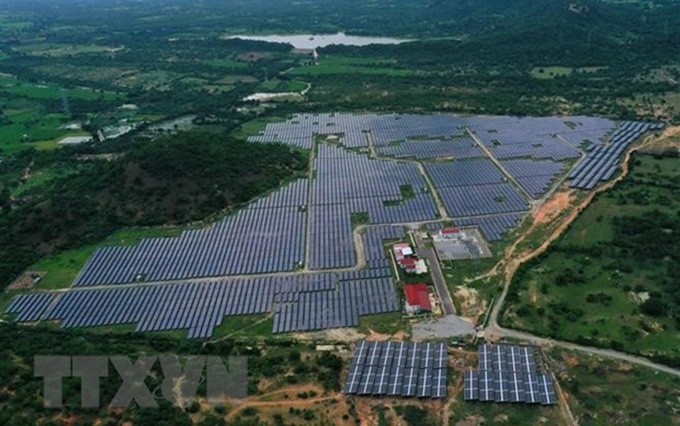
501	386
484	357
440	355
425	379
508	376
396	369
471	386
546	389
531	389
515	386
439	383
498	358
410	382
487	391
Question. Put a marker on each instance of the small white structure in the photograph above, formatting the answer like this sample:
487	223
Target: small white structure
75	140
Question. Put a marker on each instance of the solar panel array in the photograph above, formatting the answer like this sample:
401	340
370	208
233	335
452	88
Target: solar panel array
347	182
493	227
403	369
474	188
271	234
603	160
432	148
508	374
535	176
299	302
537	138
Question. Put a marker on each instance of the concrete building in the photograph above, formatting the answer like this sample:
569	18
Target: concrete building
417	298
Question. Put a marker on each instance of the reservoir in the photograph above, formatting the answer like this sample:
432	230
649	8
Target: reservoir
312	41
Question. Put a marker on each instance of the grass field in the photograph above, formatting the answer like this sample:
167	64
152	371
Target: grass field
13	86
389	323
63	50
226	63
588	288
245	326
341	65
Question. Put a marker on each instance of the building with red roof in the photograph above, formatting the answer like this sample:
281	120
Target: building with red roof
451	233
417	298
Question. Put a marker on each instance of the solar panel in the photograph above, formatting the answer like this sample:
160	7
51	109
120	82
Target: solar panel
501	386
516	386
439	383
531	390
397	369
471	386
546	390
510	376
486	385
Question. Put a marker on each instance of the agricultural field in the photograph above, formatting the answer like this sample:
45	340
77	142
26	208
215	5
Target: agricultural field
335	65
609	280
34	115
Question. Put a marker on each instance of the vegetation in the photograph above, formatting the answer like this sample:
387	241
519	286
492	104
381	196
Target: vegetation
281	360
610	280
602	392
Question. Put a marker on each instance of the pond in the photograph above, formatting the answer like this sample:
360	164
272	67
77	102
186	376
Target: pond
312	41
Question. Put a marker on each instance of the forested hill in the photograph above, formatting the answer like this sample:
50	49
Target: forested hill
170	180
405	18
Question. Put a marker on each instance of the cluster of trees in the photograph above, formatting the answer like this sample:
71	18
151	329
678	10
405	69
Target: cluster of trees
650	241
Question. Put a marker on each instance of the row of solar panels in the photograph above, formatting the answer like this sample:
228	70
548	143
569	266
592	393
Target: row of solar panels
478	200
535	176
398	369
602	162
510	387
424	149
336	309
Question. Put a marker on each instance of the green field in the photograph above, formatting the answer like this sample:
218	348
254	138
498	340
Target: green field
16	87
226	63
63	50
609	280
389	323
347	65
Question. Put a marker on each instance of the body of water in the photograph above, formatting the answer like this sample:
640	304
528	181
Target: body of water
312	41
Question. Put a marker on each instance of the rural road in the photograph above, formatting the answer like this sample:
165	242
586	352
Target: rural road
496	330
436	273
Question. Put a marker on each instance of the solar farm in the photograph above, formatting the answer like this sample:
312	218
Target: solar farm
509	374
294	253
398	369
